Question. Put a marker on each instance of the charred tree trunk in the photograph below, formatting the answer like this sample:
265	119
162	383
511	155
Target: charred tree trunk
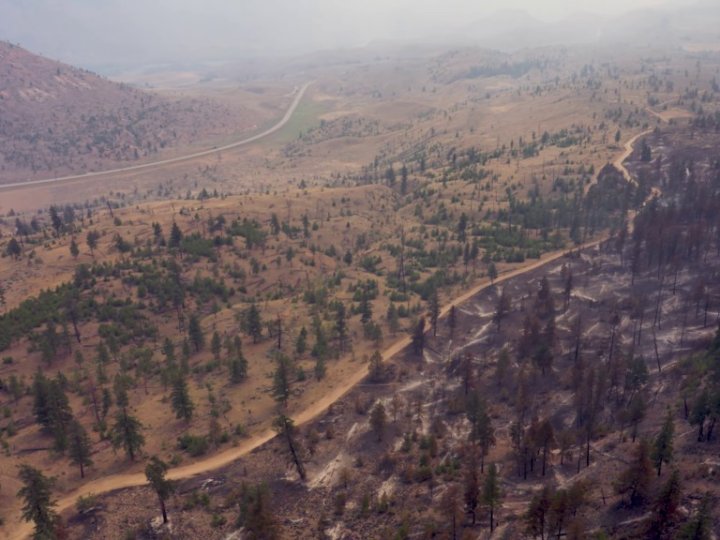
708	436
587	449
163	509
657	355
296	458
73	320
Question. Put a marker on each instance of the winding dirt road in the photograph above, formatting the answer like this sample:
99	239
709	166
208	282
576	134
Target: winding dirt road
288	114
619	162
23	530
121	481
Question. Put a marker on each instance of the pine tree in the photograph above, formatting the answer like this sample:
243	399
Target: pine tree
168	350
301	343
180	399
434	308
91	239
378	420
216	345
471	488
701	409
636	413
49	343
79	446
158	234
481	430
103	355
144	365
492	272
185	356
543	358
319	349
55	220
120	390
106	404
13	249
418	337
376	369
365	309
645	152
253	322
281	379
635	480
320	368
452	320
559	512
700	526
238	363
393	319
390	176
502	307
567	292
52	409
452	510
403	179
662	451
491	494
462	228
74	250
126	433
37	502
155	472
341	325
41	399
545	440
256	515
195	333
176	236
665	509
537	513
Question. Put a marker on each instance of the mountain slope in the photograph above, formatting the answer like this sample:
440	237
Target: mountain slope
56	119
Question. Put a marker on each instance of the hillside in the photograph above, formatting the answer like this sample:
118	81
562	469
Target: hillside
556	397
56	119
565	207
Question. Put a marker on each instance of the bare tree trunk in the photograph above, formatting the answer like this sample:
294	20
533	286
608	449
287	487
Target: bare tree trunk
657	356
73	319
296	458
164	511
587	450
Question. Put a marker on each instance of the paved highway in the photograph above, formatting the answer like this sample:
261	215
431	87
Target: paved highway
288	114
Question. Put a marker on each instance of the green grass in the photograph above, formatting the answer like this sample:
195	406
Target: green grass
306	116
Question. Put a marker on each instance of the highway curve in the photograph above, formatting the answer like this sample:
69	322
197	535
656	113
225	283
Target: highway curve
288	114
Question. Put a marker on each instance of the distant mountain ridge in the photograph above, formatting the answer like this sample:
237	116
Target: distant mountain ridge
56	119
667	26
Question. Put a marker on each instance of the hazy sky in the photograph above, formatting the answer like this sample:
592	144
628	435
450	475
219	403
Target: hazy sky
94	33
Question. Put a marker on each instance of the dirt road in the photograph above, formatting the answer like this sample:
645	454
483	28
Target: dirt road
120	481
288	114
629	147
